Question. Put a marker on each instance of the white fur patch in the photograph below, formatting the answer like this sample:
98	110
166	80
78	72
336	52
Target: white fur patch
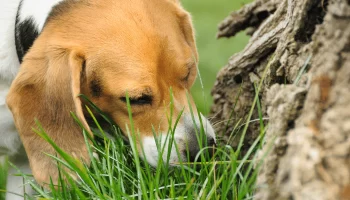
181	138
9	63
209	130
38	10
151	150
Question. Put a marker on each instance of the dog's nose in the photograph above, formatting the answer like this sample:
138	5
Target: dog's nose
211	142
209	150
200	139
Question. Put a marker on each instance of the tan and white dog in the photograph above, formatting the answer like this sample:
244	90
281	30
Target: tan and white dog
53	50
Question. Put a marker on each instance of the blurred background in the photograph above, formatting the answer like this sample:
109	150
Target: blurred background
213	53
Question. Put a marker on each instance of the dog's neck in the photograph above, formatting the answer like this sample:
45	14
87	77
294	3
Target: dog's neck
30	20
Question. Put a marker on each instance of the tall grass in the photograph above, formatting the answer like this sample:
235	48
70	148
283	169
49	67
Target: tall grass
3	176
119	173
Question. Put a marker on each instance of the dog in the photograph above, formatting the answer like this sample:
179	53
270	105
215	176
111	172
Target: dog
54	50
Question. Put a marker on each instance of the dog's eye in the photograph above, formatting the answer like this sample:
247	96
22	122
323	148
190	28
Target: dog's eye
187	75
142	100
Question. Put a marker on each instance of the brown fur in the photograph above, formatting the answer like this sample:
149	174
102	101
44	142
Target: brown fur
102	49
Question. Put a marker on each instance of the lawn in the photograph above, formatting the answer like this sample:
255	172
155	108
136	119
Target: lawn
226	180
119	173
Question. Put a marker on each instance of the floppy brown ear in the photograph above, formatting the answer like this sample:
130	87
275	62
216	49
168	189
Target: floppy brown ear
176	1
188	30
186	25
46	88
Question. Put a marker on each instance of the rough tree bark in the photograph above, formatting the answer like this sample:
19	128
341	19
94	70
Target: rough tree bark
309	119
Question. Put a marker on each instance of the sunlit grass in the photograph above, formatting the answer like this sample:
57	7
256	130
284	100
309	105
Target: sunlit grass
119	173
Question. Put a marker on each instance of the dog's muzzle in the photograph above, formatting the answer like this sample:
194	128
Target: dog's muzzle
185	144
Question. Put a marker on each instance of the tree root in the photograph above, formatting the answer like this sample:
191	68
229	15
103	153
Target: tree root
309	122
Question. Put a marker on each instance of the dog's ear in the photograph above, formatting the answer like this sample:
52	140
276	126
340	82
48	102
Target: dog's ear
47	88
176	1
188	30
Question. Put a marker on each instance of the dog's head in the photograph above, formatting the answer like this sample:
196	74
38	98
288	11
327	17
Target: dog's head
105	50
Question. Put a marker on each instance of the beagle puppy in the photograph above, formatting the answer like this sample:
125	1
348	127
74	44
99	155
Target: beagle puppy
53	50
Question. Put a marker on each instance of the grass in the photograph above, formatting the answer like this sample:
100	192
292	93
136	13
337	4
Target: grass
3	176
119	173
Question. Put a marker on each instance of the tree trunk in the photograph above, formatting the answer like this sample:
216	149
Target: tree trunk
305	95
